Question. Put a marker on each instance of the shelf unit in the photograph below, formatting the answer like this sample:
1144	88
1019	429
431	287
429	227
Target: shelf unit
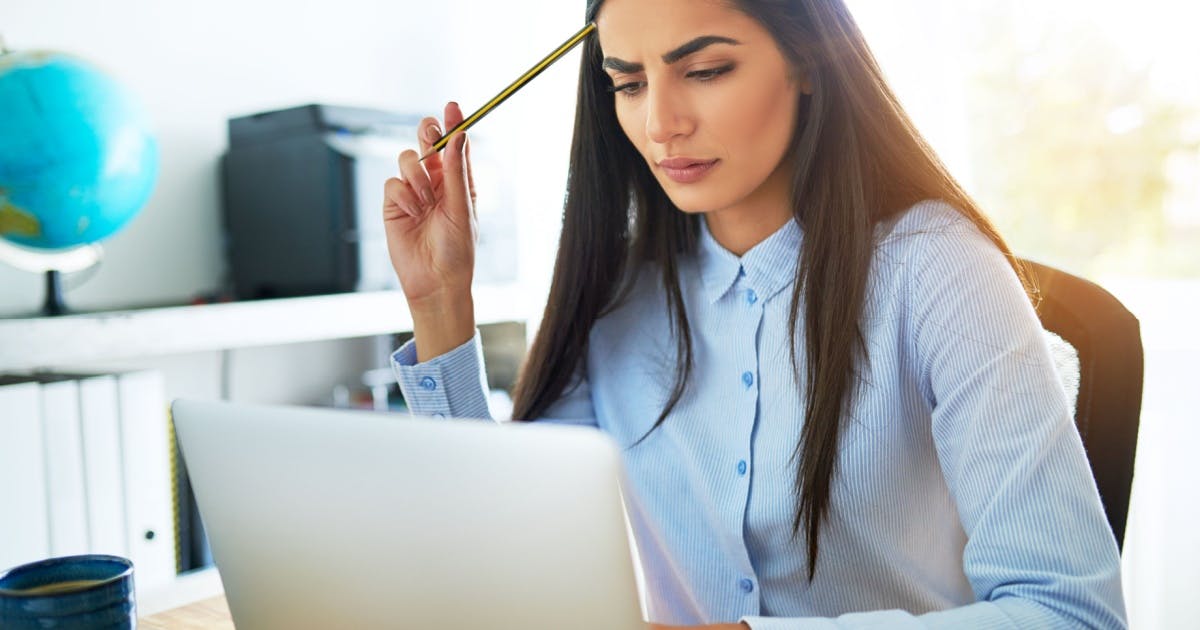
46	342
30	344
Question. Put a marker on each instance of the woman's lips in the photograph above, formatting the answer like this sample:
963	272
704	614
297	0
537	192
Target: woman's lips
686	171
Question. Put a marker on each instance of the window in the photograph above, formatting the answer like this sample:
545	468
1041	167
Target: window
1076	125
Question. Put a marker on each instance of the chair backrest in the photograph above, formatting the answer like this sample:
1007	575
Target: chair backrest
1109	342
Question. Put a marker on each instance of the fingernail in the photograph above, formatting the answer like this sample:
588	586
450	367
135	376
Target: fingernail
433	133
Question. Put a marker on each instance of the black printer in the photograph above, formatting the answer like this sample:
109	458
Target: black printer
302	199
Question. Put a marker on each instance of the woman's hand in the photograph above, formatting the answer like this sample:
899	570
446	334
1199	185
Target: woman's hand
429	218
429	215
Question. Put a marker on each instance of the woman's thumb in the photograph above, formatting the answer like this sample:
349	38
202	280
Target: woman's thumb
454	163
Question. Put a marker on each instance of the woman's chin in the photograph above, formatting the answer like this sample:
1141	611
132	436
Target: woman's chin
692	209
690	203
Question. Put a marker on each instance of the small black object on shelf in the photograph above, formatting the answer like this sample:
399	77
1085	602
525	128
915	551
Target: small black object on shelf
54	304
302	189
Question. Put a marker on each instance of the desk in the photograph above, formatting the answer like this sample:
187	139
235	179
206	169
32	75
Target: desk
206	614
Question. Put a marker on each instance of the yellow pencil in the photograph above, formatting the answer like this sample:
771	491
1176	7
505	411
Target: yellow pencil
511	89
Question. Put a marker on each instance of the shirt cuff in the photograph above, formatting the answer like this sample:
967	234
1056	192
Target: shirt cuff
451	385
870	620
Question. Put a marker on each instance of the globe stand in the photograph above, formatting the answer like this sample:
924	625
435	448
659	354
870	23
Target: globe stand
52	263
54	304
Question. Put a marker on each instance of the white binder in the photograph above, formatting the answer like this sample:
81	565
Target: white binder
100	421
145	449
24	528
64	466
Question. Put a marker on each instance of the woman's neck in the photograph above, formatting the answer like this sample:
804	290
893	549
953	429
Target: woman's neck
740	227
739	231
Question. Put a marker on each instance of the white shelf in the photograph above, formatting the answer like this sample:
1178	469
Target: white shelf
46	342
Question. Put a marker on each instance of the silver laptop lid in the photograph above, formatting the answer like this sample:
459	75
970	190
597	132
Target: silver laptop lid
327	518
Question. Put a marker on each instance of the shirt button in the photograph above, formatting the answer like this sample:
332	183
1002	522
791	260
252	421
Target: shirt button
428	384
748	378
751	297
747	585
742	467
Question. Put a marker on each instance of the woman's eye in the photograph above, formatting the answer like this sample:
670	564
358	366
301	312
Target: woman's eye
626	89
632	88
709	74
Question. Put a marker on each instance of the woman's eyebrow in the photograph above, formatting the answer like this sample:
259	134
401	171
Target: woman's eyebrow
671	57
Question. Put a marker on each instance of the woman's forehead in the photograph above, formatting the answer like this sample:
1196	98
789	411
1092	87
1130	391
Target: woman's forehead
633	28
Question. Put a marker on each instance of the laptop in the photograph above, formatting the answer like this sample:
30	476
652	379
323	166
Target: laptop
322	518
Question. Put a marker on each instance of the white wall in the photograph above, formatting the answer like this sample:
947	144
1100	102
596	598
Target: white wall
1162	551
195	64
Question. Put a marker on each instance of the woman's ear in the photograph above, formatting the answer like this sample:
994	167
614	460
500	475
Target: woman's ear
804	79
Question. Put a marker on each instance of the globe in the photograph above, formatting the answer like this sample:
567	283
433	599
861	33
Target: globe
77	160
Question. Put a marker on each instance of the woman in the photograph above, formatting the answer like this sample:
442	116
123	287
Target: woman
833	392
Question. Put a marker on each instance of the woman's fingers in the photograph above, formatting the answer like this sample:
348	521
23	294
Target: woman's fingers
398	194
413	172
430	131
457	187
418	186
470	177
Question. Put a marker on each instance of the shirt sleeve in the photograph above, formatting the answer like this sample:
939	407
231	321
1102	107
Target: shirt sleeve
1039	552
454	385
977	616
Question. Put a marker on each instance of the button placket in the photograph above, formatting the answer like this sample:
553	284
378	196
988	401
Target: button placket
751	317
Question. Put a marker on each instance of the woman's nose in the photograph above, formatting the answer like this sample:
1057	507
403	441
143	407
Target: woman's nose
666	117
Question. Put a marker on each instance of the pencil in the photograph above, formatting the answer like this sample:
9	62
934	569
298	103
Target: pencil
511	89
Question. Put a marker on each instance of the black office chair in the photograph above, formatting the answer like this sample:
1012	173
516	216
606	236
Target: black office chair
1109	342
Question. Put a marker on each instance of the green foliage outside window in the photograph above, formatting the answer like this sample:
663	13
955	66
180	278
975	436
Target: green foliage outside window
1074	153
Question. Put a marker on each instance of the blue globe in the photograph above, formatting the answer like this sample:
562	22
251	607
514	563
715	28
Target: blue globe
77	161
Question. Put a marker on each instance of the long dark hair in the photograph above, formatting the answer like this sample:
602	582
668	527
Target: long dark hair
858	160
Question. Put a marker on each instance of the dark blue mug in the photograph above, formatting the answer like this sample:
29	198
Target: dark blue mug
69	593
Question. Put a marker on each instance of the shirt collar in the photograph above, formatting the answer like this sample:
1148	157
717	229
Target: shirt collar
768	266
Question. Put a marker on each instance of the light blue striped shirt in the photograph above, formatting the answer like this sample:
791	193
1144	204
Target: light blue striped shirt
962	498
